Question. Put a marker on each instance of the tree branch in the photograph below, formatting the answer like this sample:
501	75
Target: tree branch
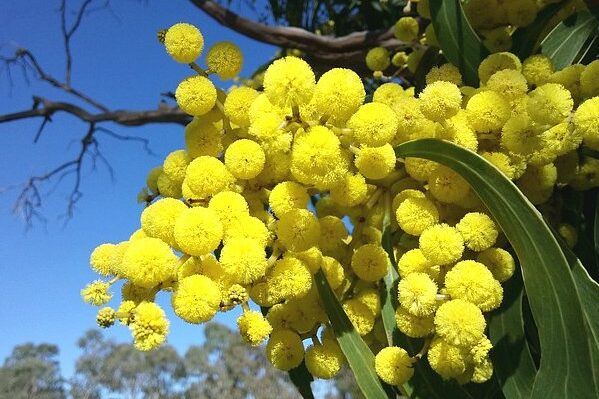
319	47
45	108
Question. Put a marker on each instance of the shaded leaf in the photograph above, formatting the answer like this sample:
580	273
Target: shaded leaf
569	37
568	348
301	378
526	38
511	356
460	44
358	354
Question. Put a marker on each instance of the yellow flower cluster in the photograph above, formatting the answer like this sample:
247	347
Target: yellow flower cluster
277	185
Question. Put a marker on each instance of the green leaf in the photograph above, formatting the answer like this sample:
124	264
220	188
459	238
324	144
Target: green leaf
459	42
568	348
301	378
526	38
568	38
358	354
511	356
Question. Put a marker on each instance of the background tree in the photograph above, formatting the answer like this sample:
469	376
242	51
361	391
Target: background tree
31	371
328	33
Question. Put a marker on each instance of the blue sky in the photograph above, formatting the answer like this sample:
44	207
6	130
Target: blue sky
118	61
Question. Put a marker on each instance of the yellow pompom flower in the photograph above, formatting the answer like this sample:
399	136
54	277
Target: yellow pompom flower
497	62
370	262
406	29
508	82
586	120
371	298
175	164
125	312
225	59
414	215
332	233
105	317
131	292
441	244
498	39
459	322
102	259
196	95
502	162
289	81
375	162
229	206
487	111
196	299
374	124
350	191
479	231
537	183
499	262
339	93
419	168
285	350
96	293
440	100
312	258
483	371
207	176
377	59
568	233
446	72
250	227
414	261
413	326
169	188
289	278
202	138
360	316
447	186
417	293
149	327
537	69
198	231
400	59
388	93
298	230
152	179
473	282
333	271
253	327
549	104
394	366
245	159
589	79
149	262
324	360
158	220
184	42
449	361
243	260
286	196
317	159
237	105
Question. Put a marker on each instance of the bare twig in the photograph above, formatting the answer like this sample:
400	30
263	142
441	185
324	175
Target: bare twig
45	108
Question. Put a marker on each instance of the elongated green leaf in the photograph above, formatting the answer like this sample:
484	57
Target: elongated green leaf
526	38
596	229
301	378
459	42
358	354
514	365
568	38
568	351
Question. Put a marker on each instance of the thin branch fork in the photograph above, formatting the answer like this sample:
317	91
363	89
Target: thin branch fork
45	108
